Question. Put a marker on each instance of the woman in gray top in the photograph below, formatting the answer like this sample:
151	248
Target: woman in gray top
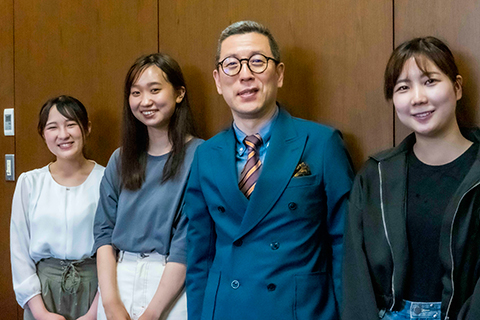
139	226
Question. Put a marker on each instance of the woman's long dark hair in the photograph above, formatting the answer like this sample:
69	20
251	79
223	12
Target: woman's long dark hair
135	140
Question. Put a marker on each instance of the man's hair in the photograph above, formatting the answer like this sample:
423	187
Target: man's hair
242	27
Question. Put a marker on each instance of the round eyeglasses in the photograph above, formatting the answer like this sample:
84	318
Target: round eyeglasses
257	63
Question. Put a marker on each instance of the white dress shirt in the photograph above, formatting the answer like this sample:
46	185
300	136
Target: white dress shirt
49	221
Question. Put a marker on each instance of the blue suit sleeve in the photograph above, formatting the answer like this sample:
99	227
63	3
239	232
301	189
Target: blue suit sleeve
200	242
338	177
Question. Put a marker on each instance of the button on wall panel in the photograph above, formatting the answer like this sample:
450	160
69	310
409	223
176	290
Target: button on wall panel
10	167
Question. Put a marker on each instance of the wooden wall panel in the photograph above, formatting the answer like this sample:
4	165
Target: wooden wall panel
79	48
335	52
455	22
8	304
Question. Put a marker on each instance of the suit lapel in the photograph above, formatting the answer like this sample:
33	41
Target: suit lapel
283	154
224	163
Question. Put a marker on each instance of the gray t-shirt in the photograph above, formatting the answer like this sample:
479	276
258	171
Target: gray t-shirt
148	219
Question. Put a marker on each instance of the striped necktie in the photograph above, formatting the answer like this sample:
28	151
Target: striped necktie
251	171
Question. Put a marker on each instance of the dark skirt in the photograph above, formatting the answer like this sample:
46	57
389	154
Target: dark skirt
68	286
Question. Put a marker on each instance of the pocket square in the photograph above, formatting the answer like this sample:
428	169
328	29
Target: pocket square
301	170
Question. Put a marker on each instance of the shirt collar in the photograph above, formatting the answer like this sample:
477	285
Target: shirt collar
265	132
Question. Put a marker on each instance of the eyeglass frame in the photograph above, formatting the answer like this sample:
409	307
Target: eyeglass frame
220	64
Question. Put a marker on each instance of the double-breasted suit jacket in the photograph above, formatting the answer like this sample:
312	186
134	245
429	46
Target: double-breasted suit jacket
277	255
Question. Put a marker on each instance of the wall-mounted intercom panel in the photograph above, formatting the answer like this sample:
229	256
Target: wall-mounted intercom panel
8	124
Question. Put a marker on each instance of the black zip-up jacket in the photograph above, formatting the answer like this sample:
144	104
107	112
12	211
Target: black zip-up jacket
376	249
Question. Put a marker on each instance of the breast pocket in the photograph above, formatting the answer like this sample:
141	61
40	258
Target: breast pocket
303	197
304	181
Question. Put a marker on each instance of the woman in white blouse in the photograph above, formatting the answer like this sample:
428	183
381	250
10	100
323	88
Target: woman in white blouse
51	232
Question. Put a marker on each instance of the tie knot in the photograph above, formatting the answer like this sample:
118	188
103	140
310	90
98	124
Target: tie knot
253	141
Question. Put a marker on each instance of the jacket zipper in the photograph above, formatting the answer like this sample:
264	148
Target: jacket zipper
386	234
451	249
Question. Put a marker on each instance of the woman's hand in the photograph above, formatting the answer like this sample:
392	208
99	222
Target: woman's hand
92	311
39	312
170	287
50	316
88	316
149	314
116	311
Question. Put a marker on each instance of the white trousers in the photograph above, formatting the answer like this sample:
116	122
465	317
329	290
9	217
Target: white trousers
138	276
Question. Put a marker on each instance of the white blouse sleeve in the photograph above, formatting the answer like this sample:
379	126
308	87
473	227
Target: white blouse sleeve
25	280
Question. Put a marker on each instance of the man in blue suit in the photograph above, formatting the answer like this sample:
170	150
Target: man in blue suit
266	198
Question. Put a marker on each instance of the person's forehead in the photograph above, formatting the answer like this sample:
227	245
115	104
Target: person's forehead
245	44
420	64
148	74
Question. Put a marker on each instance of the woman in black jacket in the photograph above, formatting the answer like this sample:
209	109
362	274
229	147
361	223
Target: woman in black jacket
412	234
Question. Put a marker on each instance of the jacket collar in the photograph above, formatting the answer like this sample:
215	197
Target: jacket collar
392	166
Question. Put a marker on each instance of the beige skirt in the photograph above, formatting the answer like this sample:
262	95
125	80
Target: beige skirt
68	286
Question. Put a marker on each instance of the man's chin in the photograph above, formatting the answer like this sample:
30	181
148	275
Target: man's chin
250	114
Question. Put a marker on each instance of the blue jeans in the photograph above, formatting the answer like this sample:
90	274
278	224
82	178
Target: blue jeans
417	311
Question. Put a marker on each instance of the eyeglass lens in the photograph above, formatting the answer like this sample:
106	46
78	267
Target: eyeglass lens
256	63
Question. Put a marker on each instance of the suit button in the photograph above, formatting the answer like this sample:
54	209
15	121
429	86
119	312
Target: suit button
238	243
271	287
274	245
292	206
235	284
221	209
